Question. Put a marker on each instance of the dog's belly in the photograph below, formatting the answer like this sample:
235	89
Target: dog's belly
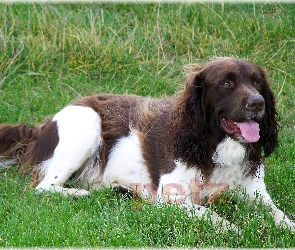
126	166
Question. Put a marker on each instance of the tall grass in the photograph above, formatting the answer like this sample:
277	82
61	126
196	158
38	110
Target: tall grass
52	54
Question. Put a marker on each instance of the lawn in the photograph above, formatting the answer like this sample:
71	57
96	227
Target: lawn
52	54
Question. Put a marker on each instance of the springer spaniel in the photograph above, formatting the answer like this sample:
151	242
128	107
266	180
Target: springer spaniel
187	149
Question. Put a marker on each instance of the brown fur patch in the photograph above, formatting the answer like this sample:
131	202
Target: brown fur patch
116	112
43	148
153	121
14	140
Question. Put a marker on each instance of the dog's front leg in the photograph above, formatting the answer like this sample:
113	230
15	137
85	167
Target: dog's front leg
255	190
184	199
183	188
218	222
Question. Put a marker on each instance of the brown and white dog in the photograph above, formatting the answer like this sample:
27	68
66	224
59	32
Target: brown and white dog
186	149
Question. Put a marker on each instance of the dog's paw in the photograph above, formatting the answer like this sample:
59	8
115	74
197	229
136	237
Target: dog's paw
75	192
289	224
64	191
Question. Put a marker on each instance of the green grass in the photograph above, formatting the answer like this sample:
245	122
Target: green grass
51	55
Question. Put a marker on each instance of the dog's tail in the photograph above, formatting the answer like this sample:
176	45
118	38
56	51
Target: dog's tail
27	145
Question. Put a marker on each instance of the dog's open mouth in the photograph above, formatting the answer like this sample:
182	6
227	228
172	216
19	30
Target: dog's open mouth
248	130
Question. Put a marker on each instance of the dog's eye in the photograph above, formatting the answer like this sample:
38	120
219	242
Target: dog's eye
256	83
227	84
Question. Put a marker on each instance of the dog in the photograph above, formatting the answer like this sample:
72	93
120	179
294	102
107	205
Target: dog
186	149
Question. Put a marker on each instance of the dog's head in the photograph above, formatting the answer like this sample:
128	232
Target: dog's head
232	96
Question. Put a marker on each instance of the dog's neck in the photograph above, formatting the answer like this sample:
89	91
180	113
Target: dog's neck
231	153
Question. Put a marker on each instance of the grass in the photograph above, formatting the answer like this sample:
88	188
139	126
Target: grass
53	54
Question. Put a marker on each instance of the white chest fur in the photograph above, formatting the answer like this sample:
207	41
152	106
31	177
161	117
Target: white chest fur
231	166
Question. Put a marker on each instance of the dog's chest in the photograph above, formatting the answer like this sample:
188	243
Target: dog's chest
231	167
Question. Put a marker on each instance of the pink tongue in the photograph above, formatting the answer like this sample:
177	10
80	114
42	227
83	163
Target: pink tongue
249	130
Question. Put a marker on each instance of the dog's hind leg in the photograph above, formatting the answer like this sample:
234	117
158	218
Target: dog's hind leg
79	131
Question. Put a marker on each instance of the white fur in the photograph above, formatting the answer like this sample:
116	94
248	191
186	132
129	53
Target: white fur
79	133
79	130
231	166
126	166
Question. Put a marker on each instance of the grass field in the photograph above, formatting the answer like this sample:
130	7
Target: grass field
53	54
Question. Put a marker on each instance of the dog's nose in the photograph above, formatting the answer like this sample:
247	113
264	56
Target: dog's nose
255	103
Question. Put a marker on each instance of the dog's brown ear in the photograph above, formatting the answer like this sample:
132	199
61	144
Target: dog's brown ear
189	126
269	127
194	100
